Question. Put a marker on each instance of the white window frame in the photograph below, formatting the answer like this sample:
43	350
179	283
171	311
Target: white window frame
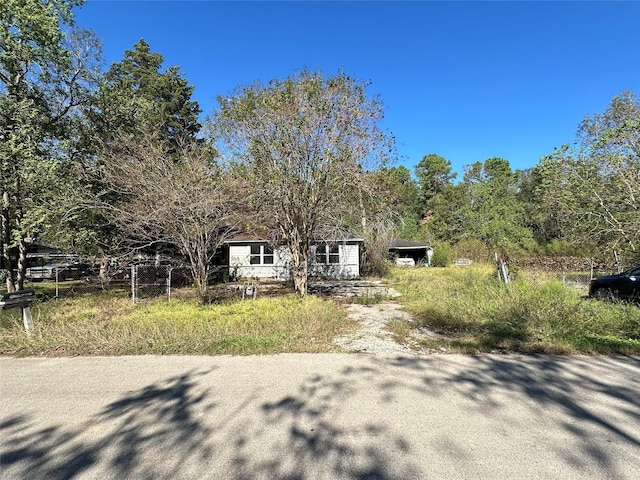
264	253
330	252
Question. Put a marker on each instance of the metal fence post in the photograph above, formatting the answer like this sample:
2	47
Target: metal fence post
169	283
27	319
133	283
505	272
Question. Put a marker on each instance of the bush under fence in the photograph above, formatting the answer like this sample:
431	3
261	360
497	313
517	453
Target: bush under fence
140	281
572	271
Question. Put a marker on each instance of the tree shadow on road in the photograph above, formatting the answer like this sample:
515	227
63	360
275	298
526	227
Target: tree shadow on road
158	417
340	423
576	394
176	429
318	439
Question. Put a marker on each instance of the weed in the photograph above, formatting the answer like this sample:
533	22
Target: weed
401	330
104	324
370	298
476	313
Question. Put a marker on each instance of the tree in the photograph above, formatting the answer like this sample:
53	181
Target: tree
45	74
136	96
308	142
545	197
434	174
599	176
447	216
611	152
438	215
400	193
172	197
495	214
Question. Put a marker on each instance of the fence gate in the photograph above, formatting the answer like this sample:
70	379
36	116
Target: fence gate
150	281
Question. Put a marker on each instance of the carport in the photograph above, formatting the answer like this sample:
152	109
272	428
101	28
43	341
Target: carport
400	248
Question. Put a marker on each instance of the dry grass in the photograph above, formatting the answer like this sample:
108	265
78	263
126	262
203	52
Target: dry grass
469	309
475	313
107	323
401	330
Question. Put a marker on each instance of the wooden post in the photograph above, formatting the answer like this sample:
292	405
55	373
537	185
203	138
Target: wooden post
617	260
505	272
21	299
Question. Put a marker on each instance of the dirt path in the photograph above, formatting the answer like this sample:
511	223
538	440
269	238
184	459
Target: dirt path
374	334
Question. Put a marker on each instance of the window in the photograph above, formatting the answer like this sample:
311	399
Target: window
327	253
261	255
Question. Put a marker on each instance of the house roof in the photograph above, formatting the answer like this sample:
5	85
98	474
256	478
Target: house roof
263	237
39	247
401	244
244	237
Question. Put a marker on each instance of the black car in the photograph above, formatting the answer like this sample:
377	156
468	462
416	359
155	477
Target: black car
625	285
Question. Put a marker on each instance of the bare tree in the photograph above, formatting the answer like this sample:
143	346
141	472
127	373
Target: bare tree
307	143
155	195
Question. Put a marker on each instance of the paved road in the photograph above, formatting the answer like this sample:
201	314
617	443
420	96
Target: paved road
300	416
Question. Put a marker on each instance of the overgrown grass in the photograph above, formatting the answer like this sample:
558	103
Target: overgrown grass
370	298
476	313
106	323
467	306
400	330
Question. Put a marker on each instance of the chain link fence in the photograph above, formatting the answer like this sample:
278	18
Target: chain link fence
571	271
150	281
140	281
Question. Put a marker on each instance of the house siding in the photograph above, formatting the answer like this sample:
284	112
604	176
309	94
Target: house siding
240	264
348	265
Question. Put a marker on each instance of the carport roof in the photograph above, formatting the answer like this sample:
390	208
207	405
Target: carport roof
400	244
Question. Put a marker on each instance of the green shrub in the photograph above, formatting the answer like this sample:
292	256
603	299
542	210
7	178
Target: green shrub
442	255
473	249
562	248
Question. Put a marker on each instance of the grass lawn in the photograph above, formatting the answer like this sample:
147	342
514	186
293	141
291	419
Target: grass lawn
107	323
475	313
467	306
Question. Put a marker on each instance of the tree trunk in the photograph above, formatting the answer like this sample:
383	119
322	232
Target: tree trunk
200	271
6	242
202	282
22	264
299	265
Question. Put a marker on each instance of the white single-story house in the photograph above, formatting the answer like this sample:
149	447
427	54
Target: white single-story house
251	257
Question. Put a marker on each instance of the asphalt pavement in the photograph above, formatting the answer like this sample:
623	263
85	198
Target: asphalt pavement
320	416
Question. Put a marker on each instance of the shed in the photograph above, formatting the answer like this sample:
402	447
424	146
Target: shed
400	248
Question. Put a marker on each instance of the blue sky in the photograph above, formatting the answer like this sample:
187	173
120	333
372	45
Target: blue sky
466	80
